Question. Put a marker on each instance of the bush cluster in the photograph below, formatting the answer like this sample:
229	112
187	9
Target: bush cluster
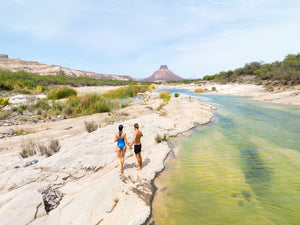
86	105
286	72
159	138
199	90
90	126
30	148
127	92
59	93
165	95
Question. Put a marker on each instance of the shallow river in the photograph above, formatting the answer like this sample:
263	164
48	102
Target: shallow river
243	168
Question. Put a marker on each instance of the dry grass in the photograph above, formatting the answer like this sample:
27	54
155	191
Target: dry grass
159	138
30	148
54	145
163	112
199	90
90	126
161	106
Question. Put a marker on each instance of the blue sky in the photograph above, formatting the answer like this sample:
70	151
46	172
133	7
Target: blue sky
134	37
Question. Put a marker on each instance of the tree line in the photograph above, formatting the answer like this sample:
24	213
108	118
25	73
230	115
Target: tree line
26	82
286	72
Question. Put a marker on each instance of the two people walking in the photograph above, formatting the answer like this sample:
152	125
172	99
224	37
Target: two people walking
121	139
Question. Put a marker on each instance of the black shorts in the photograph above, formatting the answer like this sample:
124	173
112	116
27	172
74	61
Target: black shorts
137	149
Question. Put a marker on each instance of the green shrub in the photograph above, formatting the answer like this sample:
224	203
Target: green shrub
3	102
42	104
176	95
126	92
213	88
90	126
59	93
87	105
165	96
199	90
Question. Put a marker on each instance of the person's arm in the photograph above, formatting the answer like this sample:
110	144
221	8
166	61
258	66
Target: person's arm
133	139
115	138
125	139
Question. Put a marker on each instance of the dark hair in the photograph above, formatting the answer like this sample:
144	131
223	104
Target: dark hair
121	127
136	126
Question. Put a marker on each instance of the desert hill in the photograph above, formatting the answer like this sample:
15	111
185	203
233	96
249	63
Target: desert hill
163	74
44	69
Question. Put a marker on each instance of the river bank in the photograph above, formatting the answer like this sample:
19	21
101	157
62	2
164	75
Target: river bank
255	92
85	170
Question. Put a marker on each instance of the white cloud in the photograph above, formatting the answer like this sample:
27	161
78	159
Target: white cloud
194	37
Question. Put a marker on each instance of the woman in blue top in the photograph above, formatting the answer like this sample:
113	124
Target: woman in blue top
121	139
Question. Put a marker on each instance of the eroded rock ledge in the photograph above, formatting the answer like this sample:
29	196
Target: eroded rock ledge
87	173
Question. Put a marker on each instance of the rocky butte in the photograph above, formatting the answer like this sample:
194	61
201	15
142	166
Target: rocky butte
44	69
163	74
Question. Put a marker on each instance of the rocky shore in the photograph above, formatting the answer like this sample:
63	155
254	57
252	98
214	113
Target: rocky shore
82	184
255	92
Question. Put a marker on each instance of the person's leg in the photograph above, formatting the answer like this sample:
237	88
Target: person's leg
139	158
122	158
141	161
119	155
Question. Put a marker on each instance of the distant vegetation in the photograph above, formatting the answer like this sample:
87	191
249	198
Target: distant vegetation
59	93
127	92
286	72
26	82
74	106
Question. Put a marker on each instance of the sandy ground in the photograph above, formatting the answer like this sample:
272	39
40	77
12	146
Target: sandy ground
86	170
94	89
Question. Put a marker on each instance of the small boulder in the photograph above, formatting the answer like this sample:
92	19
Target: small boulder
149	107
8	131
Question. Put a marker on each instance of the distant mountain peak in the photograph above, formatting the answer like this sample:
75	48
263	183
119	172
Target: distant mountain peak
163	67
163	74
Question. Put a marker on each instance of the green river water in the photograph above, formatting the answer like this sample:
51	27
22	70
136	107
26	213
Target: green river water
243	168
